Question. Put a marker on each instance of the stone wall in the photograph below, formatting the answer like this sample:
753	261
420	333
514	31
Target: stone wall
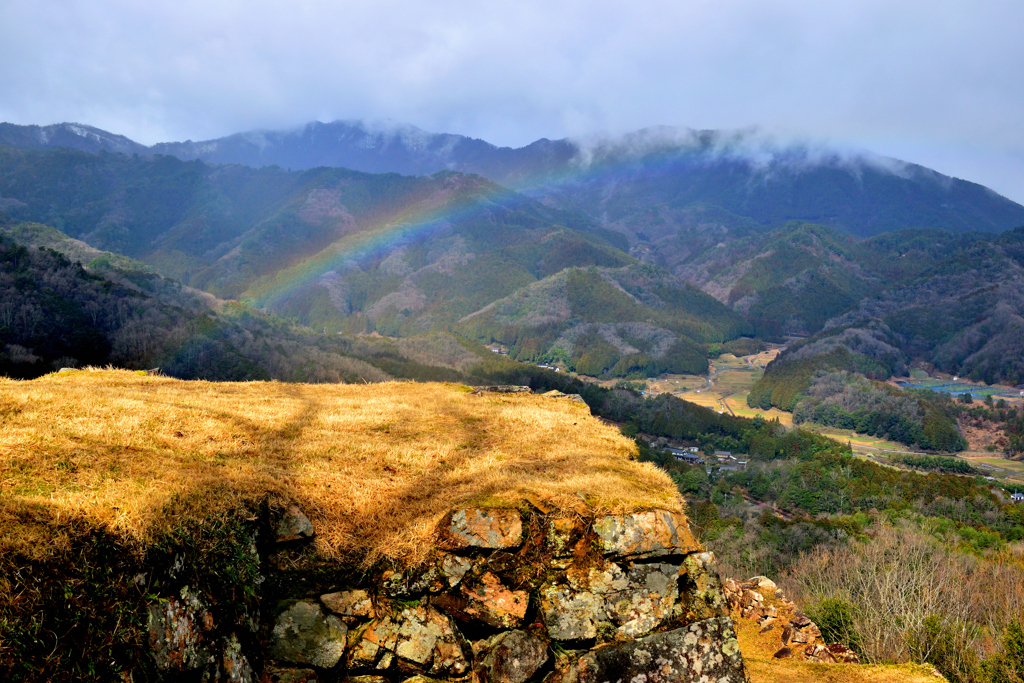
508	596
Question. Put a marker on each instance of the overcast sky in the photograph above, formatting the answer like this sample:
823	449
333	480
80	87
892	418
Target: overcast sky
932	81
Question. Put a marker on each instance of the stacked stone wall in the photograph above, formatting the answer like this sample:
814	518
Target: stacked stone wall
507	596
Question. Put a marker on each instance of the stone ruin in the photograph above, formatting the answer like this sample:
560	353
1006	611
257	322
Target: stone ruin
760	600
507	596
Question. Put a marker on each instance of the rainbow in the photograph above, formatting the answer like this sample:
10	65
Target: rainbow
421	219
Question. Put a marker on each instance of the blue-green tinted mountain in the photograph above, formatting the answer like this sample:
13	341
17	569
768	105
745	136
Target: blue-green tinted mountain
649	185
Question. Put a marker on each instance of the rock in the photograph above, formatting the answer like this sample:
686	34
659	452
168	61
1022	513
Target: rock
842	654
411	583
454	568
652	597
504	389
481	528
178	633
560	536
764	582
645	534
487	601
819	653
599	580
768	624
783	653
293	525
366	679
303	634
569	615
234	663
787	634
700	588
510	657
703	651
355	603
276	674
799	619
419	638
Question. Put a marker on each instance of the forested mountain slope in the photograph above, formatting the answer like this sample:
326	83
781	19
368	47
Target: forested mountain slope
340	250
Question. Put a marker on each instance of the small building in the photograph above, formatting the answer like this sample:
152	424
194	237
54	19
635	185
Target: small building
723	455
686	455
1017	497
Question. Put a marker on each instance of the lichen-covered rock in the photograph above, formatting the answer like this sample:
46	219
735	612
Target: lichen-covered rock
410	583
293	525
645	534
703	596
277	674
178	630
481	528
571	615
652	597
417	638
560	535
489	601
234	663
355	603
702	652
510	657
303	634
454	568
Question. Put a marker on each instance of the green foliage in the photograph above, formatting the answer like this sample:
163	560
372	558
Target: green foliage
935	463
835	618
1008	665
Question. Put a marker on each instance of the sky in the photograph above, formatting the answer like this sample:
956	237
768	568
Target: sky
936	82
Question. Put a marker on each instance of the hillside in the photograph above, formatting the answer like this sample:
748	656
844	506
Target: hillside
341	251
627	322
651	185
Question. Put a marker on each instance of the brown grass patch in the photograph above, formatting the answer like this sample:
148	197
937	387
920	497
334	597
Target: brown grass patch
375	466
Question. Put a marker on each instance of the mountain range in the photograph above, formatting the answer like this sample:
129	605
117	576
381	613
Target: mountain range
646	184
625	257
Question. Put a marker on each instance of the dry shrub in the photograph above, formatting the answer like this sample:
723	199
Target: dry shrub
912	599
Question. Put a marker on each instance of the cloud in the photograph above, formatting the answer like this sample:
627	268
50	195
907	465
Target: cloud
935	82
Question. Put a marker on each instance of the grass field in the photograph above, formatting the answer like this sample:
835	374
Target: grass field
374	466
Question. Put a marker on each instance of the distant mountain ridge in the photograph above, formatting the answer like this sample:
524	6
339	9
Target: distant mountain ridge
649	185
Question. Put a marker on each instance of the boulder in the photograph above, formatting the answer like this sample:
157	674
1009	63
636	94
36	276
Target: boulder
645	534
783	653
293	525
487	600
510	657
355	603
570	615
179	633
303	634
704	651
481	528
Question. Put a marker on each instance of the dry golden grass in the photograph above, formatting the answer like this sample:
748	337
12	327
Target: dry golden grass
374	466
